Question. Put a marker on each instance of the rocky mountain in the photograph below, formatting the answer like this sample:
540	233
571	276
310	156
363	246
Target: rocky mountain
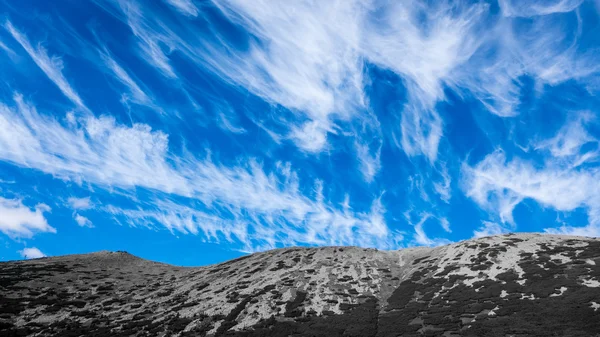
508	285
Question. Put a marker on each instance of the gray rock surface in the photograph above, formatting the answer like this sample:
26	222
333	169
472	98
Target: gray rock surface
508	285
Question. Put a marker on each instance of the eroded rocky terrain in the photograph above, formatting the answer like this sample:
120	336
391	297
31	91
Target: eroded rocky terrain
509	285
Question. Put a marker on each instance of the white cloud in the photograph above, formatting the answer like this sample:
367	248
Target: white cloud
227	119
567	143
80	203
300	58
489	228
310	58
303	221
311	136
534	8
185	7
93	148
31	253
305	62
6	49
443	188
425	43
82	221
592	230
420	237
51	66
370	163
313	65
498	184
103	153
445	225
20	221
541	50
502	184
136	94
149	41
226	124
421	132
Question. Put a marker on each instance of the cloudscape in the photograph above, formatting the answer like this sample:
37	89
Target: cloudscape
192	131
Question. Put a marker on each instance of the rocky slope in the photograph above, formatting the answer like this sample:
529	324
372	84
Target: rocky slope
510	285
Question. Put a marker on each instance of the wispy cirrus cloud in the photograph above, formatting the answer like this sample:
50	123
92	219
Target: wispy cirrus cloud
185	7
304	61
314	222
293	55
149	41
101	152
136	94
443	188
490	228
568	141
97	145
392	96
535	8
51	66
6	49
369	160
314	66
498	184
541	50
418	219
331	75
227	119
501	184
94	51
323	83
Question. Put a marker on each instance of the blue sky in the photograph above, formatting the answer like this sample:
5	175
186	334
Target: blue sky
192	132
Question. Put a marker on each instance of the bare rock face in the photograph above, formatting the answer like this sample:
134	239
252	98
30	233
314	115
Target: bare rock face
509	285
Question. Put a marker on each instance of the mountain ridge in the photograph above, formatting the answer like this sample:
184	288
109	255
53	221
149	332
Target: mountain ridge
466	288
125	252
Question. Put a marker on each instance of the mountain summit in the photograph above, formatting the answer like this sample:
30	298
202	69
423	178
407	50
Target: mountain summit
506	285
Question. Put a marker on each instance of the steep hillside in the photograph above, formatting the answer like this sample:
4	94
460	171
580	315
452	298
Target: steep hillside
510	285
